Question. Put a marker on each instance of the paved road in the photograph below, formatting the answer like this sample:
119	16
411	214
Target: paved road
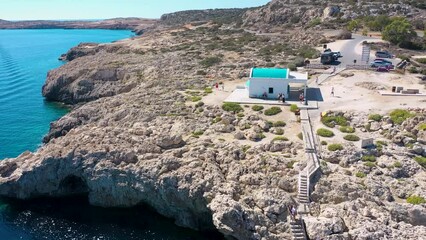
348	50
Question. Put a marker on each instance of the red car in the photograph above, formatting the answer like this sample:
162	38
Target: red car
382	69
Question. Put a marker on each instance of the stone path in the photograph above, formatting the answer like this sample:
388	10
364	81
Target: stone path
305	176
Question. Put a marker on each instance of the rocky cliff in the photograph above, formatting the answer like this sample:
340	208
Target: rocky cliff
140	132
286	14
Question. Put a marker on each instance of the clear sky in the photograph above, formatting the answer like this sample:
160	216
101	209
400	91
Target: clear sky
100	9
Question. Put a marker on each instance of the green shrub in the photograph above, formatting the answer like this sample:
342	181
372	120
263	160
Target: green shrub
208	90
240	115
217	119
347	129
351	137
397	164
324	143
382	143
368	158
375	117
398	116
415	200
246	147
280	138
421	161
332	121
257	108
292	67
279	131
309	52
272	111
369	164
422	127
199	104
195	98
210	61
197	133
279	124
290	164
360	174
335	147
325	133
300	136
232	107
293	108
421	60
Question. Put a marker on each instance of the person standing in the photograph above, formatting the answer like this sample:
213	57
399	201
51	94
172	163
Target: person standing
332	91
223	86
217	86
316	80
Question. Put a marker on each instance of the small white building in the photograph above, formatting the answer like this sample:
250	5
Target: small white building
273	81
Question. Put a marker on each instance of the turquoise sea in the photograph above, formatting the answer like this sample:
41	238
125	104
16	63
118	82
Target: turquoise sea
25	58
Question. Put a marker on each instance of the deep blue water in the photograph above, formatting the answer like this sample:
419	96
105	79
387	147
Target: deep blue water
25	58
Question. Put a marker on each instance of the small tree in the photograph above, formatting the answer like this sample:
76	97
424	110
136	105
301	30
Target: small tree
364	31
353	25
399	31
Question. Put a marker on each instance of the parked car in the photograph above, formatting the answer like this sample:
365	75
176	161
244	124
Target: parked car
384	54
383	60
382	69
380	63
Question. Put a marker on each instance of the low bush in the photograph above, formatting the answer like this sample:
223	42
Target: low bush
335	147
375	117
232	107
369	164
332	121
397	164
421	161
382	143
272	111
300	136
257	108
290	164
279	124
351	137
279	138
279	131
195	98
421	60
415	200
398	116
422	127
324	143
199	104
217	119
240	115
368	158
197	133
360	174
292	67
210	61
208	90
246	147
347	129
325	133
293	108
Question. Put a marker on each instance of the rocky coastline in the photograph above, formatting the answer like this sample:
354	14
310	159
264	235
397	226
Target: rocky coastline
140	133
138	25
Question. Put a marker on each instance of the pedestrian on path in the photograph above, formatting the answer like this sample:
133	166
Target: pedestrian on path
316	80
217	86
223	86
293	211
332	91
